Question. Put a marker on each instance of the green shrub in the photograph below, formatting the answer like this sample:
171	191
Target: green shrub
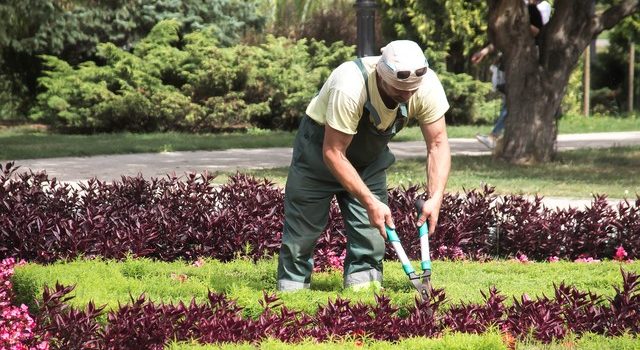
572	101
285	77
468	98
190	83
13	97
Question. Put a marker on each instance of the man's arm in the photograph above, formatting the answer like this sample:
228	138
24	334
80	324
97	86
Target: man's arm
438	166
334	152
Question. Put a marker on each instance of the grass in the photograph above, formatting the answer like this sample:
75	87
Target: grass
28	142
575	174
449	341
110	282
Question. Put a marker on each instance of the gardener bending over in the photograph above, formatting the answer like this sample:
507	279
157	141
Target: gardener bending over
341	150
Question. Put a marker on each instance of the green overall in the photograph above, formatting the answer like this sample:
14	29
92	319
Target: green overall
310	188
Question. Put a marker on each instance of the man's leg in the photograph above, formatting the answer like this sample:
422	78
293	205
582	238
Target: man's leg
308	193
365	245
306	214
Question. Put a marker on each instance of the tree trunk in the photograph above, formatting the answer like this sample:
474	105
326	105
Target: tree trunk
537	75
632	65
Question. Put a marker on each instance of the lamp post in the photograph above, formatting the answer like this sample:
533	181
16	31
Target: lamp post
366	12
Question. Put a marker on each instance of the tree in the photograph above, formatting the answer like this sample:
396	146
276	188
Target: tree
448	30
537	77
72	29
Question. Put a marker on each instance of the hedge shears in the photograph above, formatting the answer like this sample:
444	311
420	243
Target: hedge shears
422	282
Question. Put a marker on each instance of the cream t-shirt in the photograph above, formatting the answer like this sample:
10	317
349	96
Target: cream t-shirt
341	100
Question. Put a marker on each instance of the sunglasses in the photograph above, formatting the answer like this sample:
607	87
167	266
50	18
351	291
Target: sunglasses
405	74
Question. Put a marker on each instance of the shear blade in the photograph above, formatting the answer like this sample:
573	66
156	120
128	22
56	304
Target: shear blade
422	288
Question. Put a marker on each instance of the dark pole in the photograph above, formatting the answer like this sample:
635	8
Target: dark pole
366	12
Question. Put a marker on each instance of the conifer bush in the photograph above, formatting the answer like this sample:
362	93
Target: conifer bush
186	83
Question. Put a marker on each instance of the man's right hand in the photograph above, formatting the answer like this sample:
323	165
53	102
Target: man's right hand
334	150
380	216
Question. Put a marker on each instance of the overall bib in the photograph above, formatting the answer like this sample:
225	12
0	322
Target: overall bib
310	188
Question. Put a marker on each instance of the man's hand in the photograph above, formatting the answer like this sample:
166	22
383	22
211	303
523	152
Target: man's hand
380	216
334	153
430	213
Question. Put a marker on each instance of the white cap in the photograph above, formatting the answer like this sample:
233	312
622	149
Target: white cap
401	55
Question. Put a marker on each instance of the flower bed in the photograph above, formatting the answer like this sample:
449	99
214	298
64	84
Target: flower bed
18	330
144	324
43	220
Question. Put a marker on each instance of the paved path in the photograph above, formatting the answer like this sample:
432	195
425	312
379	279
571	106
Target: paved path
112	167
108	168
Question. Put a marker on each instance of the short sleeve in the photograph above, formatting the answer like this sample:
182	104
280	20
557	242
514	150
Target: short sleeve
430	102
343	112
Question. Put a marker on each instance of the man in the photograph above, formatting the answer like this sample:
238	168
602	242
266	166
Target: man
341	150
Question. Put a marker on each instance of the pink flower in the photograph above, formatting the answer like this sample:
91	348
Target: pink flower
199	262
16	325
523	259
620	254
587	260
457	254
553	259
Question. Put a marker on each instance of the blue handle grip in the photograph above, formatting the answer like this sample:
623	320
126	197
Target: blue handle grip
392	236
423	230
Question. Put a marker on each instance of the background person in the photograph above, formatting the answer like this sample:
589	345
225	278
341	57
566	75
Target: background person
341	151
498	76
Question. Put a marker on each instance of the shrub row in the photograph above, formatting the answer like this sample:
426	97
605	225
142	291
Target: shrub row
42	220
143	324
188	83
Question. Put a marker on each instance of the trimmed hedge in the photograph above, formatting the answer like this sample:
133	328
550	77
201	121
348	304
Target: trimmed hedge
42	220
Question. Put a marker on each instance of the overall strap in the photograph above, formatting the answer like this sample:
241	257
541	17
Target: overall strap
368	105
401	117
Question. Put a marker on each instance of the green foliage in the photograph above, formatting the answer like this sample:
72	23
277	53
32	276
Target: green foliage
74	28
189	83
610	77
286	75
449	341
109	282
287	15
572	101
467	97
13	98
326	20
448	29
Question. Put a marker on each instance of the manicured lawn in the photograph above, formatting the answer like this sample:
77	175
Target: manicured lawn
110	282
29	145
115	283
